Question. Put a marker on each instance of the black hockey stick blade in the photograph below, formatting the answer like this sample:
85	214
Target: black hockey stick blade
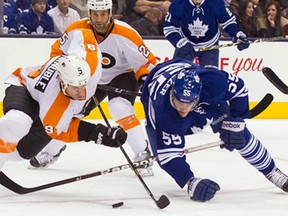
262	105
275	80
163	202
11	185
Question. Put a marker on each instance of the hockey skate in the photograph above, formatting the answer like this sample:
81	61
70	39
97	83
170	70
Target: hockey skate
144	170
44	159
278	178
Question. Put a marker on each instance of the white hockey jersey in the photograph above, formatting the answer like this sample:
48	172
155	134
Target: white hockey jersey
60	114
122	48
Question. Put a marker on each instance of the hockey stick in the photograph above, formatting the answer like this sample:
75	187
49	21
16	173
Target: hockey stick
275	80
16	188
163	201
238	42
262	105
259	108
118	90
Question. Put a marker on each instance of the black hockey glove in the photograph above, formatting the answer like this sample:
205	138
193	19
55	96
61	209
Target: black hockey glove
232	133
240	36
111	137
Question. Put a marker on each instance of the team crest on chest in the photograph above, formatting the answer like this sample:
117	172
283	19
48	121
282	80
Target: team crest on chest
197	28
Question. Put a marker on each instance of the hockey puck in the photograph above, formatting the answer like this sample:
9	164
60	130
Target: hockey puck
116	205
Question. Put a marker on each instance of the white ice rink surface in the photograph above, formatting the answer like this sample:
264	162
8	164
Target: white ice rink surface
244	191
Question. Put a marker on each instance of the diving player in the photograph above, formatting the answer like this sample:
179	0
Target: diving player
53	95
182	98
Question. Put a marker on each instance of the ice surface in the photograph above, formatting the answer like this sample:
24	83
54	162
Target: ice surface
244	191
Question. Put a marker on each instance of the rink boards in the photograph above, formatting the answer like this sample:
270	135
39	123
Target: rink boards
248	64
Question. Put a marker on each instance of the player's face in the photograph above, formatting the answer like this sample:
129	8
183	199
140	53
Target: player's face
100	20
76	92
183	108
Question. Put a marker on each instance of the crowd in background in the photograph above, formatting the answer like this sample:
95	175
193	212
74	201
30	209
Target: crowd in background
256	18
261	18
37	16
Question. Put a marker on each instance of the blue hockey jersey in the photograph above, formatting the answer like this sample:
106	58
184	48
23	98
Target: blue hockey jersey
30	23
169	128
10	14
198	23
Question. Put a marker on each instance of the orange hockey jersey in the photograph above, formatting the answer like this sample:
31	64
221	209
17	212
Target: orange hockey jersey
123	50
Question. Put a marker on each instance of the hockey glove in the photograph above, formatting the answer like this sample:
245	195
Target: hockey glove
111	137
232	133
202	189
184	49
240	36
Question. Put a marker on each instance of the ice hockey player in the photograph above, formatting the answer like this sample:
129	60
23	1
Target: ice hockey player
126	63
182	98
50	99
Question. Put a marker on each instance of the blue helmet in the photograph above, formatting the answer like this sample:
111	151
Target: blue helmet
187	86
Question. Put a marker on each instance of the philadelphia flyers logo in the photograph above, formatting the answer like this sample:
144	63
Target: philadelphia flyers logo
108	61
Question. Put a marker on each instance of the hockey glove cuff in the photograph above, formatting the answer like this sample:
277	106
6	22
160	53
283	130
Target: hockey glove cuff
202	189
232	133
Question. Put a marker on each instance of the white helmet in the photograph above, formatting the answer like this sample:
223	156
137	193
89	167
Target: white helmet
73	70
100	5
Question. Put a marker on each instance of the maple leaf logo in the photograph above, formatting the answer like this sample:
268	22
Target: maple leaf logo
197	29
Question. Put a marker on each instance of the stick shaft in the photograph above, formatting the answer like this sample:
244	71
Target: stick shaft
13	186
163	201
259	108
250	42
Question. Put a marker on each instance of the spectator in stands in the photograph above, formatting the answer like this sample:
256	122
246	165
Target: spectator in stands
273	23
25	4
130	15
284	7
136	9
234	7
10	14
36	20
246	20
63	15
150	24
142	6
164	7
